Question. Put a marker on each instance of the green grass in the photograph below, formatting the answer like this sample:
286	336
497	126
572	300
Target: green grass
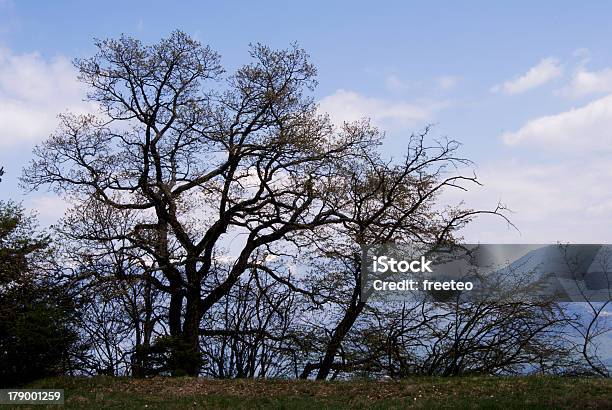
419	392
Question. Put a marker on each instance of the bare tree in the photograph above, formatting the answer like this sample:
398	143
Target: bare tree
590	314
122	311
252	333
198	157
390	202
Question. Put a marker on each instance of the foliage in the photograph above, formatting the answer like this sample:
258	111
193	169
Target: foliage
167	354
36	333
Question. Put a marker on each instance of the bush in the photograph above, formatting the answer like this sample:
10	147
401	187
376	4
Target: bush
170	356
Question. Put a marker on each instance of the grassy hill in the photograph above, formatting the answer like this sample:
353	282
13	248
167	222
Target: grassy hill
421	392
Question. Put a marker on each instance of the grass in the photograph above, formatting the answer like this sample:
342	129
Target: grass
419	392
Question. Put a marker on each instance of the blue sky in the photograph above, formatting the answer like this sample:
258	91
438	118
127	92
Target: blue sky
526	88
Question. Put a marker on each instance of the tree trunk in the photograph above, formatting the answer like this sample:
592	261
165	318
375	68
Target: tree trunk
191	330
340	332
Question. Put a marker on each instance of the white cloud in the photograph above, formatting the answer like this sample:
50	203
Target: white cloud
546	70
549	202
583	129
33	91
346	106
586	82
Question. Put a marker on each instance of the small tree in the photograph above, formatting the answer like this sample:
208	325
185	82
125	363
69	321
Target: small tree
37	338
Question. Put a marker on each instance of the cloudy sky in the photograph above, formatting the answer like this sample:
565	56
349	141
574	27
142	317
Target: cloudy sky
526	89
